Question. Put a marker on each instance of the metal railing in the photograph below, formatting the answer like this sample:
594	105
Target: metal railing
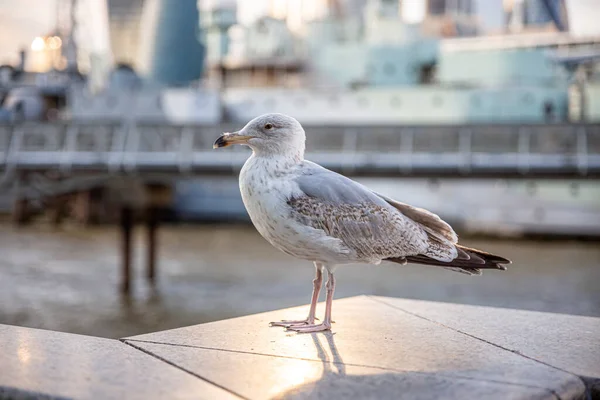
552	150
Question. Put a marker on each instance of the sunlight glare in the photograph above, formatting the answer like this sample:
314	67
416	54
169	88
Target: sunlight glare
413	11
38	44
294	374
23	354
54	42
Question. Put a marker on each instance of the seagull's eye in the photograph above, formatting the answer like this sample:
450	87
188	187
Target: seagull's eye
268	126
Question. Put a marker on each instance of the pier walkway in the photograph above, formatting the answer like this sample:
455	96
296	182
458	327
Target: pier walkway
496	151
380	348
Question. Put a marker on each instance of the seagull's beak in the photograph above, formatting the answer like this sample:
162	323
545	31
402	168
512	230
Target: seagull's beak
227	139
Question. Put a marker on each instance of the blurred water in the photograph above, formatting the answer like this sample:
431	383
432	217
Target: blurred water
67	279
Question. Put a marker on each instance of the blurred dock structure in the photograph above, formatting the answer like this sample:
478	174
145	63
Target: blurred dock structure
103	167
165	151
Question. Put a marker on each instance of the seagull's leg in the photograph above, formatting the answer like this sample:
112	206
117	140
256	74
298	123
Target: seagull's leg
326	324
313	303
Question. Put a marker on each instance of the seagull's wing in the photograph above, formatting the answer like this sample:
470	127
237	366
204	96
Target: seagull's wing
379	228
366	222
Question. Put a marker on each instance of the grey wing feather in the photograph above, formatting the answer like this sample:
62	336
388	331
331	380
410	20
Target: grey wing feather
316	181
432	223
365	221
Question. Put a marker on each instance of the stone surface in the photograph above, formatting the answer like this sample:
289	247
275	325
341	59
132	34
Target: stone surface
257	376
568	342
370	334
380	348
44	364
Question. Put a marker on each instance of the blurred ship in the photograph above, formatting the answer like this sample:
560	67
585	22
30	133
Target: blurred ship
419	63
351	62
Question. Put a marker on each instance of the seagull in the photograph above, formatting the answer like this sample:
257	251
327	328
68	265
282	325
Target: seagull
315	214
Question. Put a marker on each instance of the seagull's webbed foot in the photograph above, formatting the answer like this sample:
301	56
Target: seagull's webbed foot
293	323
325	326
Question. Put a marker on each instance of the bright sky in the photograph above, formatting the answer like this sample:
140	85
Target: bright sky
20	22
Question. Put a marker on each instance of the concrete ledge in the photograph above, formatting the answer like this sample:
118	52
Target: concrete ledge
38	364
379	348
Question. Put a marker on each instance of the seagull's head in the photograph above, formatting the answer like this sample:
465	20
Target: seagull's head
271	134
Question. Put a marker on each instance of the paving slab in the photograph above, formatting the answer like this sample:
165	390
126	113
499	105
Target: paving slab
44	364
256	376
371	334
568	342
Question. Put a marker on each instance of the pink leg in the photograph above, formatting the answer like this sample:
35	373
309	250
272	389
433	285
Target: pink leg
313	303
326	324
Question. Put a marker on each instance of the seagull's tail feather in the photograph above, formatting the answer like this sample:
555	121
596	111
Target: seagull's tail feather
469	261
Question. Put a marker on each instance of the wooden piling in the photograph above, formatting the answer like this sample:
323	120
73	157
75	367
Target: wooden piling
20	208
57	208
20	211
126	236
152	225
83	207
158	197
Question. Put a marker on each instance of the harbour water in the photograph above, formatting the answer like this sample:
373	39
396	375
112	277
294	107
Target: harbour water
66	279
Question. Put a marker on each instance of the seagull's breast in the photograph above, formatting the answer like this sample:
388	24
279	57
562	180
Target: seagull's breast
264	196
266	188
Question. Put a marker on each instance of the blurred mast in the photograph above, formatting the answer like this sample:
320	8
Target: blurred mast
67	26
